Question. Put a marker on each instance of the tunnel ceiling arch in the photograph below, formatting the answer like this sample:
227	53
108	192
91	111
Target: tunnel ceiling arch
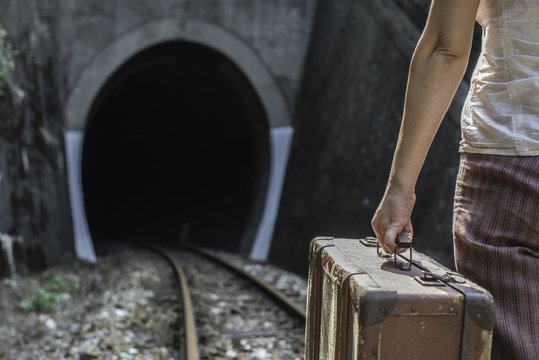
107	61
176	143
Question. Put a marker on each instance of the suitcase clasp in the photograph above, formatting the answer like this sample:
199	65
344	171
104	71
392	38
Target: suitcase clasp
369	241
448	277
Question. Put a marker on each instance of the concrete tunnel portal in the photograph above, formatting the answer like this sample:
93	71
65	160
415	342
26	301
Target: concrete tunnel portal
176	144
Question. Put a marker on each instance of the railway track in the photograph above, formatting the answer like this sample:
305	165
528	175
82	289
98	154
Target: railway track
231	313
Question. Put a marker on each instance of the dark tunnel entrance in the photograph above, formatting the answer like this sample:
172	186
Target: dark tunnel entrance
177	145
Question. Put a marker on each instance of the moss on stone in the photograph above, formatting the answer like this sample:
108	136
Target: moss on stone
7	61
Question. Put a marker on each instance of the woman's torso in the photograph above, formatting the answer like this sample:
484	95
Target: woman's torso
501	113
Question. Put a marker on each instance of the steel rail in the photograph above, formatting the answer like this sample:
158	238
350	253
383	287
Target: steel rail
191	338
284	301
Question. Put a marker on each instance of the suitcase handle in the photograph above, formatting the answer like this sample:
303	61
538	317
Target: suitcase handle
402	241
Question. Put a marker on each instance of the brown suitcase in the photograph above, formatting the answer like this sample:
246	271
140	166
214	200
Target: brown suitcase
360	306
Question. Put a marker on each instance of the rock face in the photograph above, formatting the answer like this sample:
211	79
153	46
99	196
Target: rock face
35	221
346	123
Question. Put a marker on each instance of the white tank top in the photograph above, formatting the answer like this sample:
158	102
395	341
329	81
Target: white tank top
501	113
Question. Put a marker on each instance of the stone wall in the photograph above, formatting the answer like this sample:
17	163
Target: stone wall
35	220
348	115
56	41
277	30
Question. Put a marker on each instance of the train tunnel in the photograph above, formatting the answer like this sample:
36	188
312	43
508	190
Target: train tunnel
176	148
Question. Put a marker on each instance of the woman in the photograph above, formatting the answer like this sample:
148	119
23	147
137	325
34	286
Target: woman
496	210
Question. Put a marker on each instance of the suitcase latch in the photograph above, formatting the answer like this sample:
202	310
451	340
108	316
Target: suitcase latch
369	241
432	279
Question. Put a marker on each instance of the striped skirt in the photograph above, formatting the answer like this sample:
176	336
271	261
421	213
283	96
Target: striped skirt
496	237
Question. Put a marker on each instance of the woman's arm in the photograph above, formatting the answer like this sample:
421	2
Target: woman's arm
437	68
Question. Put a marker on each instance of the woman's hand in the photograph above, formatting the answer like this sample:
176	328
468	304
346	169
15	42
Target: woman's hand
392	217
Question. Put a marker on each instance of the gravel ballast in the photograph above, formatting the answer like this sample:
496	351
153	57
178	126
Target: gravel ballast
127	306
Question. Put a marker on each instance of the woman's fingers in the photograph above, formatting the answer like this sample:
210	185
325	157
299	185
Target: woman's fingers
389	243
389	240
392	217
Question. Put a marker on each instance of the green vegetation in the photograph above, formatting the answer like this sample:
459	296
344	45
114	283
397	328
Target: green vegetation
7	62
41	301
47	297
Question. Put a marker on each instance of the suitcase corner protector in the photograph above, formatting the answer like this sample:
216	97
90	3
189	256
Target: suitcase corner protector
323	238
313	249
375	306
479	307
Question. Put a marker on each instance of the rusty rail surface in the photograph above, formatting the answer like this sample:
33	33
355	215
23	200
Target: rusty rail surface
191	338
281	299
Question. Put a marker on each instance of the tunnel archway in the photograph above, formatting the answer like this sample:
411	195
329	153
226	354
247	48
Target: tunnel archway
176	142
